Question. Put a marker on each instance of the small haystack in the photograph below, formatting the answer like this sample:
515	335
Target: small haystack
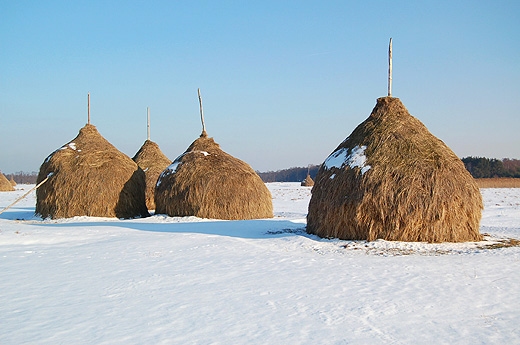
308	182
89	177
153	162
392	179
13	182
207	182
5	185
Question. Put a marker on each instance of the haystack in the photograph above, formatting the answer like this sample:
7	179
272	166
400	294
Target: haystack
392	179
90	177
308	182
12	181
5	185
207	182
153	162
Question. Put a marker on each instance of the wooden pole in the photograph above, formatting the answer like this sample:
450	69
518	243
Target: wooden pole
148	123
390	68
201	115
23	196
88	108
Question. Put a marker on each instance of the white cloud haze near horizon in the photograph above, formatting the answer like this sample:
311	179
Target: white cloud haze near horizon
282	83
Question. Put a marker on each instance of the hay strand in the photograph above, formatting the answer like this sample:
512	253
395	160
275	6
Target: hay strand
23	196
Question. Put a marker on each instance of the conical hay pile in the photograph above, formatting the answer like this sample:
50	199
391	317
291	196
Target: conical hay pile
392	179
12	181
308	182
5	185
90	177
208	183
153	162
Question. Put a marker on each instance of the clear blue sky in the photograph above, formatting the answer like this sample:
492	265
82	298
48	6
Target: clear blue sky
283	82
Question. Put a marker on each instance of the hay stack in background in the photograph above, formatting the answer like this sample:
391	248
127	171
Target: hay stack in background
392	179
5	185
308	182
12	181
90	177
153	162
207	182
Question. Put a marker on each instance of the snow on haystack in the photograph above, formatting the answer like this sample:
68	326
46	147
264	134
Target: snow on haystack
354	158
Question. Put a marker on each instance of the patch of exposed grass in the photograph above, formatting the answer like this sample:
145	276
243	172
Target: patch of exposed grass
498	182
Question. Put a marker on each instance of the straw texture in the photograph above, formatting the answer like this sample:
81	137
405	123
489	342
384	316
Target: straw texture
5	185
392	179
209	183
90	177
153	162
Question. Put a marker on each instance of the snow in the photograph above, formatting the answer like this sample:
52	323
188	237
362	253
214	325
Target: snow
172	168
342	157
171	280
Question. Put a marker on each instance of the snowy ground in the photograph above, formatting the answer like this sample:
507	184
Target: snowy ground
164	280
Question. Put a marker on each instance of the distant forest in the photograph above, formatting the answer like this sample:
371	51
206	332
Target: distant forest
479	167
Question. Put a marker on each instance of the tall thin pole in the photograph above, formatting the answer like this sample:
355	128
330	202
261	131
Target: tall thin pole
201	115
390	68
148	123
88	108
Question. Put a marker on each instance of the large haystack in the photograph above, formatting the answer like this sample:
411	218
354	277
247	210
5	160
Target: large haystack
5	185
153	162
209	183
392	179
90	177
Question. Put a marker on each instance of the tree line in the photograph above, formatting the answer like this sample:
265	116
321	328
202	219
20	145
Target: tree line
22	177
478	167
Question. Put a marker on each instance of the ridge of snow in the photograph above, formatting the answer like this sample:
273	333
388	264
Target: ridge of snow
172	168
355	158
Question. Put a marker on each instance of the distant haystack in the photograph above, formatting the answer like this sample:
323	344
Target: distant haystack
308	182
13	182
392	179
90	177
5	185
207	182
153	162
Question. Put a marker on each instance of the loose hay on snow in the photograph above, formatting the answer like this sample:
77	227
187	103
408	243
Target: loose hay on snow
90	177
207	182
153	162
392	179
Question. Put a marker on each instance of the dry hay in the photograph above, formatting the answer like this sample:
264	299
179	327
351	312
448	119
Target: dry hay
153	162
308	182
90	177
392	179
207	182
12	181
5	185
498	182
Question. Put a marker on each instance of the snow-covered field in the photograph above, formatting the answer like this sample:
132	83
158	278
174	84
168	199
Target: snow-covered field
164	280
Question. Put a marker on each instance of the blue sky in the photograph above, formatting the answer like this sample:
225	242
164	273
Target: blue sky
282	82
